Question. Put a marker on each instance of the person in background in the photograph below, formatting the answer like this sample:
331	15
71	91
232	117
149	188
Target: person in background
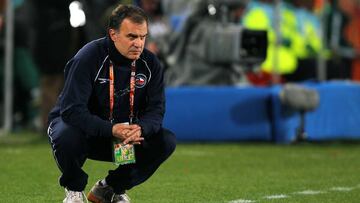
339	51
55	41
25	72
260	15
352	34
159	28
307	42
114	91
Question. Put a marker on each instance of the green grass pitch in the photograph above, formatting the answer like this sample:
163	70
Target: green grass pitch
216	172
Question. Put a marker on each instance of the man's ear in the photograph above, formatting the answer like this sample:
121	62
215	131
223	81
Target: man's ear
112	34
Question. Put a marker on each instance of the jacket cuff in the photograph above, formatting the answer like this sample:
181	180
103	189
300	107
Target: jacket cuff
107	130
144	130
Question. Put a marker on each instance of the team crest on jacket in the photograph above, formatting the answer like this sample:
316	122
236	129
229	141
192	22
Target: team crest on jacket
140	80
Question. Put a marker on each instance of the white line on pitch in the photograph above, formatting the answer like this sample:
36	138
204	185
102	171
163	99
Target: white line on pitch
281	196
310	192
305	192
242	201
342	189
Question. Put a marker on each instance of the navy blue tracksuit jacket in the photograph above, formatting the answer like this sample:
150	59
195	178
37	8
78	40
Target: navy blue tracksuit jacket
84	102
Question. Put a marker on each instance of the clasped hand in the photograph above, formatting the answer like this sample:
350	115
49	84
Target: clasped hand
128	134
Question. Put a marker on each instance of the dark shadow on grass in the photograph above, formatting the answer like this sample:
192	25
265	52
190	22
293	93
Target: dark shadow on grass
22	139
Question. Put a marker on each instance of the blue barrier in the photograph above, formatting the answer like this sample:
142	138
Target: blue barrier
284	121
252	113
218	113
337	116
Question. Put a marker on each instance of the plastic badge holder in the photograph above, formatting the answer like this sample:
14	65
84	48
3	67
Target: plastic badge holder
123	153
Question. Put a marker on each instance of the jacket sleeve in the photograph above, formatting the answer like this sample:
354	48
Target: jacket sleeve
76	93
152	117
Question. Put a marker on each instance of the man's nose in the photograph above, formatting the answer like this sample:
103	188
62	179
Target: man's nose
138	43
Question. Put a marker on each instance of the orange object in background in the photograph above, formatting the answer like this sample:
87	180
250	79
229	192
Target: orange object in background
319	5
352	34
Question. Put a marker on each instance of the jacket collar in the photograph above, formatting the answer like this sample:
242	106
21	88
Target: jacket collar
115	56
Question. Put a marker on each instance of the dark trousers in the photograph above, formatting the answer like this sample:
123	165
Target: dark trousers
71	147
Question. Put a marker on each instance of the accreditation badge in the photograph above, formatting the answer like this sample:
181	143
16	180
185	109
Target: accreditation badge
123	153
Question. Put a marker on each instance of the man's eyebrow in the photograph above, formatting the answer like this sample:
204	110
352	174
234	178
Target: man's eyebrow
135	35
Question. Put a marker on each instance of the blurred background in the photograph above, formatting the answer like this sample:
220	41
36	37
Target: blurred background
205	46
240	76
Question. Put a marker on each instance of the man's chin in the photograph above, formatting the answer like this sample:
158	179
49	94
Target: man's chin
134	56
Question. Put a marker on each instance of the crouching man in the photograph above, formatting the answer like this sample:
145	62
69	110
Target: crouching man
112	103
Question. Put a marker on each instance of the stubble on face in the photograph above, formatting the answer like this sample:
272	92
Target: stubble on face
130	39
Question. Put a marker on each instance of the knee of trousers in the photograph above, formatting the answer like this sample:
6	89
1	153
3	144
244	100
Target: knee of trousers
167	142
68	139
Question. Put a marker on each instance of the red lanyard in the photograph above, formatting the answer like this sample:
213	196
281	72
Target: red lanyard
131	94
111	91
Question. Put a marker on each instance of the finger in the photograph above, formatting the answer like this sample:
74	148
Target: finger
127	127
139	139
119	128
133	129
135	143
126	133
128	140
134	132
120	136
133	139
134	126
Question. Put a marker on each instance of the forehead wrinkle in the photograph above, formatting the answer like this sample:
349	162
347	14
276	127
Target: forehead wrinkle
135	28
135	35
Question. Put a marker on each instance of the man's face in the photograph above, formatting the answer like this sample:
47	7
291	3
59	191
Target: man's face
130	40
